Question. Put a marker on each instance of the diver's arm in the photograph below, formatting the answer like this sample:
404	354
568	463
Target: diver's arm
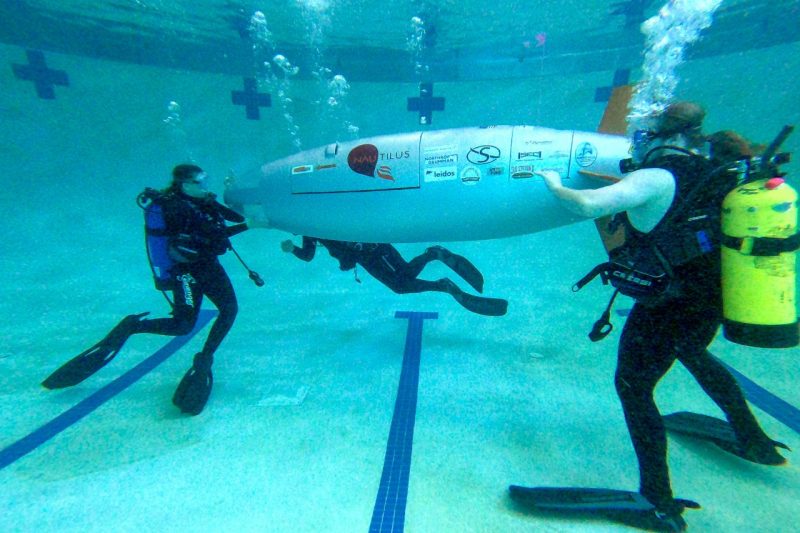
636	189
228	214
236	229
306	253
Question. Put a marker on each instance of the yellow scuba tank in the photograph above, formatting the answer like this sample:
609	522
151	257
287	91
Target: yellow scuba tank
759	227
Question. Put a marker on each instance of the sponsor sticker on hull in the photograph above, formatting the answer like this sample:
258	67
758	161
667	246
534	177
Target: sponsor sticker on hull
364	159
440	174
441	159
521	171
585	154
302	169
483	154
470	175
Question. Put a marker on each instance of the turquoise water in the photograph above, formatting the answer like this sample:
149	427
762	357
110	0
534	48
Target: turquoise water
294	436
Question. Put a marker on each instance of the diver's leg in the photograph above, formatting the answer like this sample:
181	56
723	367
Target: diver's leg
701	327
217	286
187	298
386	269
645	355
416	265
194	389
458	263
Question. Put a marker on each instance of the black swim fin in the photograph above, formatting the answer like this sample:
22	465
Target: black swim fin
460	265
720	433
194	389
621	506
87	363
477	304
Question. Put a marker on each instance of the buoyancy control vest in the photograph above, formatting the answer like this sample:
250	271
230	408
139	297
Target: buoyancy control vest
167	247
644	266
730	239
680	255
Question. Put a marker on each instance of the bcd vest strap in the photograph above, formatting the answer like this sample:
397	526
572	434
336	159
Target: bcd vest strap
762	246
600	270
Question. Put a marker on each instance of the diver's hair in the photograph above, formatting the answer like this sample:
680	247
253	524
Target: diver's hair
180	174
684	118
727	146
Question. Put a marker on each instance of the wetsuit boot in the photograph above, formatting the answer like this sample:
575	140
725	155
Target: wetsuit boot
761	450
195	387
87	363
667	515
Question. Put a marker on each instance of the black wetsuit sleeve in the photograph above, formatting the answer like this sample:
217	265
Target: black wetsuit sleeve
306	253
229	214
236	229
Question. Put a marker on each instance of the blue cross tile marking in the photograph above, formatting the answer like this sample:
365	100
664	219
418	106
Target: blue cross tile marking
43	77
621	77
73	415
389	513
632	10
425	103
251	99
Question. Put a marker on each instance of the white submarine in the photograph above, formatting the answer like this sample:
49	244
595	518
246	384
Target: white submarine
434	186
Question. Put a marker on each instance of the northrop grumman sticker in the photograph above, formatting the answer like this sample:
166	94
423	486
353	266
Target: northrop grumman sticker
302	169
440	159
585	154
440	174
470	175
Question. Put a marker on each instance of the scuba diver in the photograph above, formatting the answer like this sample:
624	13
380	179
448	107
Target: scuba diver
192	226
385	264
673	188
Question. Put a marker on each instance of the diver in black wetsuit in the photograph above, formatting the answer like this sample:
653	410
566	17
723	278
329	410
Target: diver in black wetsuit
195	224
386	265
681	328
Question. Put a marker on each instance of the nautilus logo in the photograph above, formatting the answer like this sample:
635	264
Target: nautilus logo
481	155
385	173
363	158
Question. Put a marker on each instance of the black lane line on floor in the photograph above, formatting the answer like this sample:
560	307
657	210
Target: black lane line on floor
389	513
74	414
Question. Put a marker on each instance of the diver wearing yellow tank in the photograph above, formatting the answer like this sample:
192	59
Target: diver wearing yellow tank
684	323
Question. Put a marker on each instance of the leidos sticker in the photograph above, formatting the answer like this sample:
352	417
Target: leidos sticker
470	175
302	169
440	174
